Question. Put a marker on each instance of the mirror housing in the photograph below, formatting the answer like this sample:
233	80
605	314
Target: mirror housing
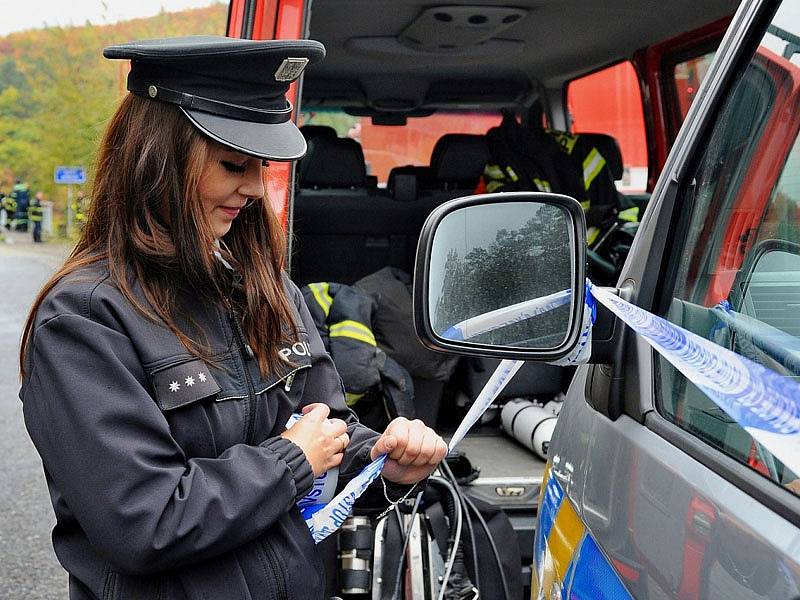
480	226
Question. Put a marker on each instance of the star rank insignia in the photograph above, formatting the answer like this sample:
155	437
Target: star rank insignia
182	384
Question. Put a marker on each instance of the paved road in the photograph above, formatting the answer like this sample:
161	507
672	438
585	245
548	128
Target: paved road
28	567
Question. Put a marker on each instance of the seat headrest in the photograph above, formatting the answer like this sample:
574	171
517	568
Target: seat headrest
314	131
459	159
422	175
609	148
333	163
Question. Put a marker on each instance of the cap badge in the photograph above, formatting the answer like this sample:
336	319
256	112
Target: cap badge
152	91
290	69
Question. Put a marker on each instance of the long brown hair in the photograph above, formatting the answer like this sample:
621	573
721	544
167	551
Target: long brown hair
149	164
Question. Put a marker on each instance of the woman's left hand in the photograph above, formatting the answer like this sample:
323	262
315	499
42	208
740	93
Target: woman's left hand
414	450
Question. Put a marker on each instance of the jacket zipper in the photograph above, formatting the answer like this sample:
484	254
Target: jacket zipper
289	380
276	571
248	354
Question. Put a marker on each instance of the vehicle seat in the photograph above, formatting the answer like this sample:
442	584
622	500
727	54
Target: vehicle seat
404	183
311	132
333	164
342	228
457	161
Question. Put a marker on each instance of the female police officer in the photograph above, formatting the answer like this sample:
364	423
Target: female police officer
163	360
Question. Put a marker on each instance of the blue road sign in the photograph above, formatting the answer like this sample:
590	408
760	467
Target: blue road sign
70	175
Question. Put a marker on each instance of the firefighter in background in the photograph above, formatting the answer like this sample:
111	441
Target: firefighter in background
21	195
9	209
523	158
35	216
3	213
78	207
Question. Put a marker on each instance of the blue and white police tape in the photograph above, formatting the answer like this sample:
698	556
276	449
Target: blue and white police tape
764	403
508	315
322	490
327	519
324	520
499	379
753	335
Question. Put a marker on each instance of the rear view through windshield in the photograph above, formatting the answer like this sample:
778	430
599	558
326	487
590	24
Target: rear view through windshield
389	146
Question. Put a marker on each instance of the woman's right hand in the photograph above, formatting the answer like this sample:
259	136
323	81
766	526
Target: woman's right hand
321	439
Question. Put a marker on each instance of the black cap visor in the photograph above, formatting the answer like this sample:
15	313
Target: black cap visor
270	141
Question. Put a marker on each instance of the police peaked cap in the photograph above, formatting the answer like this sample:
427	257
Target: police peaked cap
232	90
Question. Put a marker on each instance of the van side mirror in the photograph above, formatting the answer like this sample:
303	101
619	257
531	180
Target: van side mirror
502	275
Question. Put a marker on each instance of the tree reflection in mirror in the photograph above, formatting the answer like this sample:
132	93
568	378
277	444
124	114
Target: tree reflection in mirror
488	257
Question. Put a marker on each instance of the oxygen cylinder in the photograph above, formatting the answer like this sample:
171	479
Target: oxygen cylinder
531	424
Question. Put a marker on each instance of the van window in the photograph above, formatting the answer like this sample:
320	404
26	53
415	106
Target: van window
687	76
388	146
737	280
609	101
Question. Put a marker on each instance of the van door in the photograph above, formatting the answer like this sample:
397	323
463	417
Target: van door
673	499
268	20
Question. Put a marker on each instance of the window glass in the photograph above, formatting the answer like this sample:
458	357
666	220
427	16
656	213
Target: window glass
687	77
609	101
386	147
737	275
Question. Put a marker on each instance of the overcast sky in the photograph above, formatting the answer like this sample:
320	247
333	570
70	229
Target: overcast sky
21	14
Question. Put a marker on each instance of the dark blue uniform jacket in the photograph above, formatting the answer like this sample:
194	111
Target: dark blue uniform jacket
167	473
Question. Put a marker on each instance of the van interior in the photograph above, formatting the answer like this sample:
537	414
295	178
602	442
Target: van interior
396	119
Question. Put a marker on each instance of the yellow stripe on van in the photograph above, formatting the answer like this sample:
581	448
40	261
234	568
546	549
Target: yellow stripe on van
354	330
322	296
564	537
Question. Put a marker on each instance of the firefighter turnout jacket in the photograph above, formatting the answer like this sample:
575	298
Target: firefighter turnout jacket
548	160
35	212
343	316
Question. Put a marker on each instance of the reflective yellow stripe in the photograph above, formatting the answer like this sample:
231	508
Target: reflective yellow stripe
353	330
351	399
564	139
564	537
542	184
586	205
321	295
493	186
512	174
493	171
592	165
591	235
629	214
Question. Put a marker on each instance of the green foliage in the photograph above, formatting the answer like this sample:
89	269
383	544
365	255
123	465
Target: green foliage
339	120
57	92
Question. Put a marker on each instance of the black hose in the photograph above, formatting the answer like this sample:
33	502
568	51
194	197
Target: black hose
406	537
482	521
461	498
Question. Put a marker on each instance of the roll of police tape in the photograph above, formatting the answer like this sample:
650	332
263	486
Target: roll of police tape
323	488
